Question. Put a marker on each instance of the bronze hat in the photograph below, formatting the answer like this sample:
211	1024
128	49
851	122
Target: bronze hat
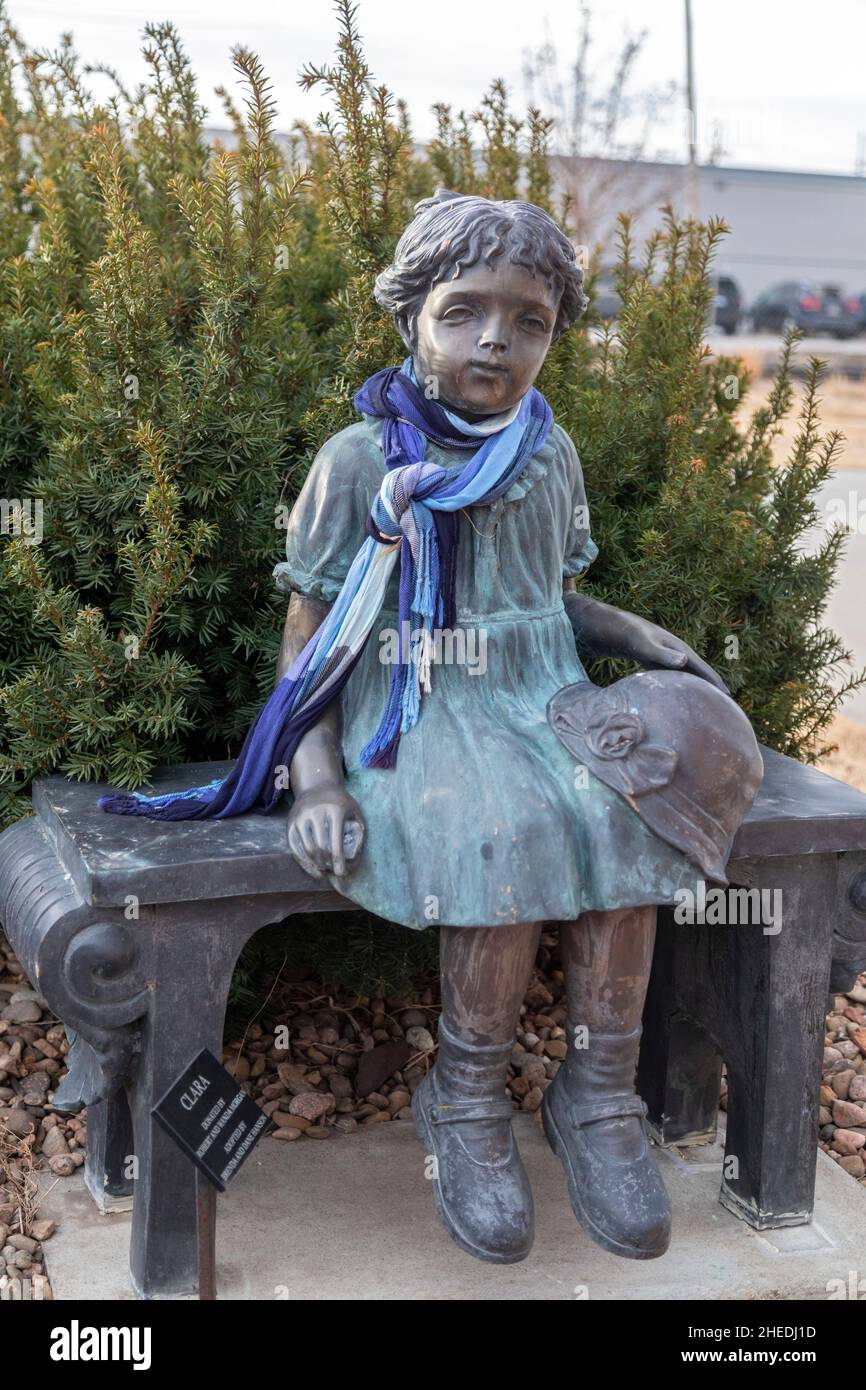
680	751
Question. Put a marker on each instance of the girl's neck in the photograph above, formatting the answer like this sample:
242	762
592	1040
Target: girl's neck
484	424
464	415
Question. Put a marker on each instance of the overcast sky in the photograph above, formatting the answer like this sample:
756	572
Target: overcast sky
780	83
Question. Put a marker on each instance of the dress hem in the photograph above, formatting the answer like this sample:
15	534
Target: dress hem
657	900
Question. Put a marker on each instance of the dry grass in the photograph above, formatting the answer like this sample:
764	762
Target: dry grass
848	762
18	1180
843	407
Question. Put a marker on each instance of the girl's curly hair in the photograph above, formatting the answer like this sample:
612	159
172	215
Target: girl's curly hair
452	231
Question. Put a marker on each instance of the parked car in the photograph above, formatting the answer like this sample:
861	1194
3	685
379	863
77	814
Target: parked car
857	303
801	304
727	303
725	312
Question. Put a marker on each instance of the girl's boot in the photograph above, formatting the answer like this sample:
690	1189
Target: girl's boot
462	1110
593	1118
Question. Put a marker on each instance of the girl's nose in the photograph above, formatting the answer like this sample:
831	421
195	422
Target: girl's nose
494	337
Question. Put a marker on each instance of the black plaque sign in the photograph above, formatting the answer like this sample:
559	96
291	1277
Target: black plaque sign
215	1123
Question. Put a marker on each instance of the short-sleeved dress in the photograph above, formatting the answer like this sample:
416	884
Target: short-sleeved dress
483	820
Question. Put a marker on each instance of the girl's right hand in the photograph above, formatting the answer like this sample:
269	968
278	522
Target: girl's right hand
326	830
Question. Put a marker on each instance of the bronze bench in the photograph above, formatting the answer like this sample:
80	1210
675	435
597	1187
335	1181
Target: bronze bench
131	930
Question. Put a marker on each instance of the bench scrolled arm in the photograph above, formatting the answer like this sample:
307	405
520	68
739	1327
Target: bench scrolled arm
84	960
857	894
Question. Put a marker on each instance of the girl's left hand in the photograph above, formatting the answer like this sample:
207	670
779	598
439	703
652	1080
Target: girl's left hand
601	630
652	648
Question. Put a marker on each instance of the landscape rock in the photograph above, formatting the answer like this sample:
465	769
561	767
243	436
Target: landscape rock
293	1078
283	1120
840	1081
24	1011
413	1018
848	1141
24	1243
54	1143
857	1089
312	1106
63	1165
19	1121
847	1115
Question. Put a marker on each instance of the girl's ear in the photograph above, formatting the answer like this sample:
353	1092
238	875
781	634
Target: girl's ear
405	326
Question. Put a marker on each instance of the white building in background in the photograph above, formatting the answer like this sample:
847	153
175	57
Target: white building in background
784	225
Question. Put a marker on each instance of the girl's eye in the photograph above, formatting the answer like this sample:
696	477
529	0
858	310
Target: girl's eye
458	313
535	324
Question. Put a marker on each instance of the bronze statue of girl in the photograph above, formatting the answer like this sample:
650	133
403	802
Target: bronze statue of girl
489	797
486	824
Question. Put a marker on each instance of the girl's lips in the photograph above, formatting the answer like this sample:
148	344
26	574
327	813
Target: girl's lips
490	367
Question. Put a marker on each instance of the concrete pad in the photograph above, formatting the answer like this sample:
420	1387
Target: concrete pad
352	1217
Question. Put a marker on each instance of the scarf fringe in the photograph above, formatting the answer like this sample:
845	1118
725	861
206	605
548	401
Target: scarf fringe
132	804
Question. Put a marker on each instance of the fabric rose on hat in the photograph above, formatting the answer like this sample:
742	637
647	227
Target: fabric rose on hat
614	743
614	734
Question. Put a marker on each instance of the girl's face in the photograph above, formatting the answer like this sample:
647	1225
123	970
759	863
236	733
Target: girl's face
483	337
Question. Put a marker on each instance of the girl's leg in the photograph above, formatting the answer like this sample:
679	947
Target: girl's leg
592	1114
606	960
485	971
462	1112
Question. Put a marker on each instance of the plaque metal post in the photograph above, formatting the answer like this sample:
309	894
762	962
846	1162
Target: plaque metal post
217	1125
205	1220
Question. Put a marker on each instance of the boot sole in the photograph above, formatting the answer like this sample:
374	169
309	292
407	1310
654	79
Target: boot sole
425	1134
556	1142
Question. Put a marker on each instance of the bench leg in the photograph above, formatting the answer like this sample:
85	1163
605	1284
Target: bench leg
684	1101
772	1025
758	999
109	1144
679	1071
191	964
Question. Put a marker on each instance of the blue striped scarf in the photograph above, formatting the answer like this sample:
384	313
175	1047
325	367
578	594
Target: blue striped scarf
413	517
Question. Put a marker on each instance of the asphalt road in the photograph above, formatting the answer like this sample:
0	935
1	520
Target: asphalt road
818	346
